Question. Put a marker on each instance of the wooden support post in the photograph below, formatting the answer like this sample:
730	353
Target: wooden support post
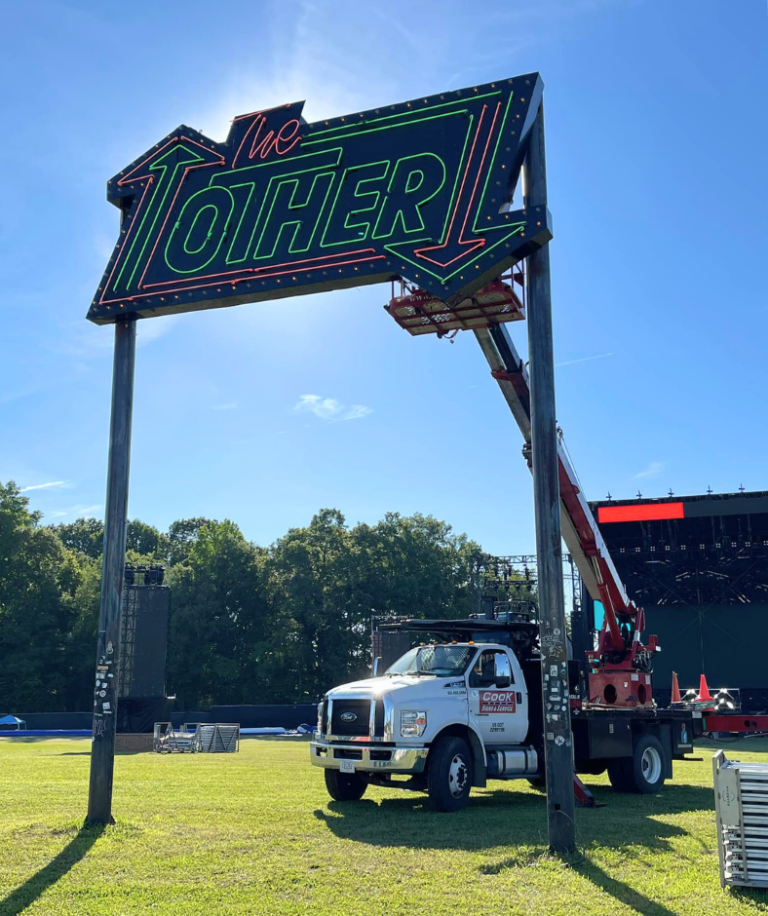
558	742
112	576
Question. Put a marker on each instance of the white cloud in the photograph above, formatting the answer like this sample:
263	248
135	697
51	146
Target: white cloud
76	512
149	330
584	359
45	486
653	469
231	406
330	408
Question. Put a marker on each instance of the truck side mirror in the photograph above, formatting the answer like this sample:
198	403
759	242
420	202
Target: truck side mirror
502	671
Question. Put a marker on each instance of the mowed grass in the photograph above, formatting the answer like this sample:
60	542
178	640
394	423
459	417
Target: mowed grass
256	833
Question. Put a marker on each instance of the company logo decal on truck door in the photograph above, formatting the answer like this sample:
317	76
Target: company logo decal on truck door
497	701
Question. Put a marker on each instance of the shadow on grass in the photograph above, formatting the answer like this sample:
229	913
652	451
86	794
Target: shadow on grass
17	901
755	895
518	819
505	817
625	894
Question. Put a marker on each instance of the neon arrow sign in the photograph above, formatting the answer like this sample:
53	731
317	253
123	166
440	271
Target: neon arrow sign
421	190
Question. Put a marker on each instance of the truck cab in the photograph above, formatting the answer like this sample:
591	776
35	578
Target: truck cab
443	718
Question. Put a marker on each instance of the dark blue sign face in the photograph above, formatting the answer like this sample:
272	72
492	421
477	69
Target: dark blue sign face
420	190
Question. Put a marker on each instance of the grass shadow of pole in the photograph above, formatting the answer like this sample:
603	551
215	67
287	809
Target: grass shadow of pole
621	892
77	848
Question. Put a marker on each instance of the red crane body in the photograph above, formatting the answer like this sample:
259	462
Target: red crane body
620	665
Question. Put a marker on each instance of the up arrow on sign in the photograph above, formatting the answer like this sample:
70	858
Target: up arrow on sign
421	190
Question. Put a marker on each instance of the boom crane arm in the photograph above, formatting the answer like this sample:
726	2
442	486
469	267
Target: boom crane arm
619	643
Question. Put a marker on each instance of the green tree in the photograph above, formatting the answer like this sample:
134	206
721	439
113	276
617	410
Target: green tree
182	535
146	541
39	579
415	565
220	620
314	579
84	535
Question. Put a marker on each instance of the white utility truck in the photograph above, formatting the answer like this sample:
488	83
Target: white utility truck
453	714
450	715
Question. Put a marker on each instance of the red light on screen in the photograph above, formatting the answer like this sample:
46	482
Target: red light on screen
646	513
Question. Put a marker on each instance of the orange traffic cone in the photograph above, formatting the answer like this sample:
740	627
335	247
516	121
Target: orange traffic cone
676	698
704	693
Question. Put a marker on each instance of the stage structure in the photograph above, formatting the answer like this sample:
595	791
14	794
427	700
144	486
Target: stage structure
143	650
698	565
503	587
425	193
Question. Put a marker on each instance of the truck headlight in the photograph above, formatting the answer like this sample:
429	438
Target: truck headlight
412	723
320	716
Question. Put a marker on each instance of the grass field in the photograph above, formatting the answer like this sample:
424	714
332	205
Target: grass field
255	833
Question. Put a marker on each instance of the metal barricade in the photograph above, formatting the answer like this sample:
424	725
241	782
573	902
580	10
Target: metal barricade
197	737
741	806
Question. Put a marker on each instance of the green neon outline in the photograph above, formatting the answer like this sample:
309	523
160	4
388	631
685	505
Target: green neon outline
155	165
402	114
210	228
484	251
448	212
217	181
355	168
392	247
408	190
243	184
222	234
296	223
398	213
475	228
366	131
282	162
270	196
443	278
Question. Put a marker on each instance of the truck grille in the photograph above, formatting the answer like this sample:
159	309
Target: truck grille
343	724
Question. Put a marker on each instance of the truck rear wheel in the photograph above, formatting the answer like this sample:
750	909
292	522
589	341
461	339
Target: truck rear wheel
643	772
450	774
344	786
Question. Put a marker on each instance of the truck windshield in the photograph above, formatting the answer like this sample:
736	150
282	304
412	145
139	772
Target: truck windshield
438	661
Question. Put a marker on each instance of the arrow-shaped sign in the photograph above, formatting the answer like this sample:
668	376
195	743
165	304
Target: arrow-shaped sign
421	190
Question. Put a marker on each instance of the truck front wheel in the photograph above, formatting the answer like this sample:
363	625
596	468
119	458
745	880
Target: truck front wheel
449	777
643	772
344	786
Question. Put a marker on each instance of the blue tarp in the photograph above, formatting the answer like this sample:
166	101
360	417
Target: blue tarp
11	722
40	733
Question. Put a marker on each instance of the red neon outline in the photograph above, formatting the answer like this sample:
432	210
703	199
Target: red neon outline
169	292
646	513
127	178
136	212
268	143
463	181
187	170
251	271
291	264
150	179
475	243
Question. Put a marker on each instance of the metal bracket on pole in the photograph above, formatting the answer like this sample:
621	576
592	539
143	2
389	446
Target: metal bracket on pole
558	739
112	575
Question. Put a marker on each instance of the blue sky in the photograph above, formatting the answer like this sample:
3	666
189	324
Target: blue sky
656	133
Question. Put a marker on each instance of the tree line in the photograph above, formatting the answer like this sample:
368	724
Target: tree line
248	624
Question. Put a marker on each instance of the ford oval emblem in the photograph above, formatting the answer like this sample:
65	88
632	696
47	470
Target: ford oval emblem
348	717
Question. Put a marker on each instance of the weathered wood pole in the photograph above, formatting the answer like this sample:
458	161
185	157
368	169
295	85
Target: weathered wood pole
558	743
112	576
